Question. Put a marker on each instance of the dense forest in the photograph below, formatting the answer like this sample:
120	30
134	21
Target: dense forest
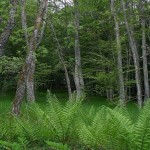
83	48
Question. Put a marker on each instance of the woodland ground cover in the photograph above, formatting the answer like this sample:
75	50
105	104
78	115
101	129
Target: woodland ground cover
82	46
55	123
96	101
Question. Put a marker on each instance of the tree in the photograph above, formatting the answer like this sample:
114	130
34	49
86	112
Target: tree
60	55
135	55
78	76
144	52
26	77
9	26
120	70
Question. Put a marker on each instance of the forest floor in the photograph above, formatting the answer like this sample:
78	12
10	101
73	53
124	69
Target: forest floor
96	101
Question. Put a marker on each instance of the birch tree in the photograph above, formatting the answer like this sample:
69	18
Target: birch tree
78	76
119	55
144	52
135	55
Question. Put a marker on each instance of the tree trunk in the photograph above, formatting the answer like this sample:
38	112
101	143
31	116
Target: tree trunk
60	54
24	22
27	75
145	67
20	92
135	56
78	76
120	70
9	27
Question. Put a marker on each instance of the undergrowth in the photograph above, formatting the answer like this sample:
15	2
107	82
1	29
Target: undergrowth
71	127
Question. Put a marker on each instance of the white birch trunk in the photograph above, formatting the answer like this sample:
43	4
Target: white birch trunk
145	67
78	76
120	70
135	56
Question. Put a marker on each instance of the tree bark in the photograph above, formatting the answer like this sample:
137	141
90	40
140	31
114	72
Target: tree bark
20	92
24	22
135	56
9	27
26	77
120	70
78	76
60	54
145	67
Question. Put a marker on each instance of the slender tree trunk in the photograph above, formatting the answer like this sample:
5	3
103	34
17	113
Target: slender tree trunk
43	28
120	70
145	67
9	27
127	76
32	47
24	22
135	56
78	76
60	54
26	77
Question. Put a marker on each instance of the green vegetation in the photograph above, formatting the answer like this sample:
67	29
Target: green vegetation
78	124
61	124
93	55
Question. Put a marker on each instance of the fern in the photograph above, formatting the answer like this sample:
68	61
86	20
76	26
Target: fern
91	134
119	128
71	126
109	129
141	134
8	145
57	146
62	117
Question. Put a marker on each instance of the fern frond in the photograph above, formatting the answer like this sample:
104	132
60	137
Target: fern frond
141	135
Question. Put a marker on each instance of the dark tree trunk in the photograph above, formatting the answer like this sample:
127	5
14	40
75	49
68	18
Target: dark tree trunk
60	54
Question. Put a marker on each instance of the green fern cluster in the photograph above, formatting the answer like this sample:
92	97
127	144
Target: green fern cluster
71	126
114	129
55	123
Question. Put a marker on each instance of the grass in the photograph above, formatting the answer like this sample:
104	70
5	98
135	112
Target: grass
96	101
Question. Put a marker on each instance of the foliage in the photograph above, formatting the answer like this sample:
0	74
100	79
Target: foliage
70	125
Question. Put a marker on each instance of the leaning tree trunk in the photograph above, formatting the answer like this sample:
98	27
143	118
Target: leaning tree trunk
78	76
120	70
26	77
60	54
145	67
24	22
32	47
9	27
135	56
